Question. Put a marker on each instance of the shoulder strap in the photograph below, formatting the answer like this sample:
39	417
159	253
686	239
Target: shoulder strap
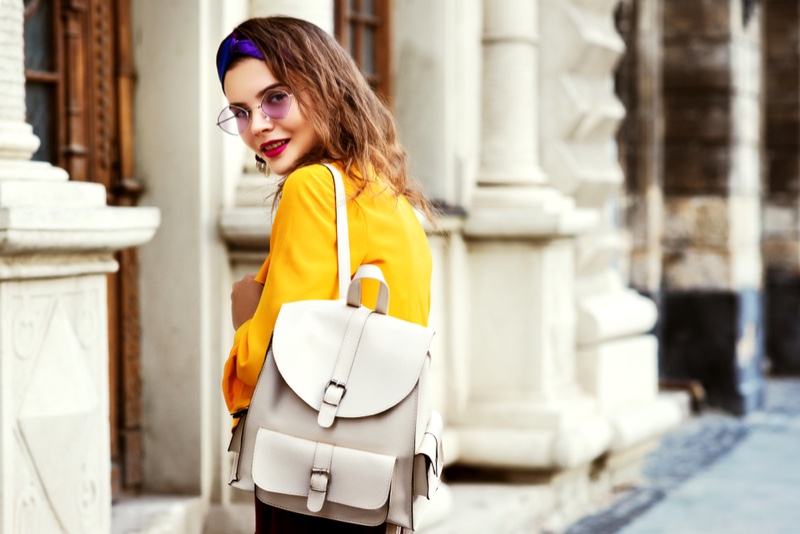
342	235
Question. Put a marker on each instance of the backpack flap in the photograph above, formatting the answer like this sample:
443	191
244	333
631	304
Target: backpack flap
389	356
306	476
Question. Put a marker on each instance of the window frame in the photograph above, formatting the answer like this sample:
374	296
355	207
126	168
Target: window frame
350	28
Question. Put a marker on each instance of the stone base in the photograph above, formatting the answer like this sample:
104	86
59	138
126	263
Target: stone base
715	337
162	515
525	448
494	507
506	501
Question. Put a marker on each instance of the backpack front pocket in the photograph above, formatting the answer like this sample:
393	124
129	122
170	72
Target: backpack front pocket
306	476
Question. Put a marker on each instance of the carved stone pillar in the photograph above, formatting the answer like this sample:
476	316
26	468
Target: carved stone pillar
562	369
617	354
524	407
56	243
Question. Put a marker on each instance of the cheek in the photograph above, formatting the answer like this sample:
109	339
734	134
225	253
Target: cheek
249	140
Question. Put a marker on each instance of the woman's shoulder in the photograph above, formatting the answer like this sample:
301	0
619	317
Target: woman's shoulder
309	183
309	176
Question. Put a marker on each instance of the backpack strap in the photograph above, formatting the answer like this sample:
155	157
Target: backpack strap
342	235
337	385
354	291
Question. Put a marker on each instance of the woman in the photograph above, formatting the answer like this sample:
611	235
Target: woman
298	100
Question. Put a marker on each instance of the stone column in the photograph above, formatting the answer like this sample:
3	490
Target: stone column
524	408
17	142
616	351
712	323
56	243
510	148
781	238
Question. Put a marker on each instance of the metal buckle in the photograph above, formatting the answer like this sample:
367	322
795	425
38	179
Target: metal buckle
322	472
338	384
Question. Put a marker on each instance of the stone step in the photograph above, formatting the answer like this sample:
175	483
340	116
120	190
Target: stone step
158	515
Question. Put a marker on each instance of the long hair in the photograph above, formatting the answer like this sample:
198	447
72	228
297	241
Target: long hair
353	125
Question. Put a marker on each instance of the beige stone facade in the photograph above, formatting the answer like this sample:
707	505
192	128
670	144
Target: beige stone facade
544	359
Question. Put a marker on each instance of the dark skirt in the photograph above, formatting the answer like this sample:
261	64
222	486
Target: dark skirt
271	520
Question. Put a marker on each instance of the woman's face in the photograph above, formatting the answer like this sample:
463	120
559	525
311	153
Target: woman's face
281	142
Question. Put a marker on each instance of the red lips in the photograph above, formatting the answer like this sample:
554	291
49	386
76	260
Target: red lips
274	150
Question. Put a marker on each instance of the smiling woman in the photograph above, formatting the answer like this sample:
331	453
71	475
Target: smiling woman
298	100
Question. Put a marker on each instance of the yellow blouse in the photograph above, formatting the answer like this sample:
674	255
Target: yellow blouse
301	264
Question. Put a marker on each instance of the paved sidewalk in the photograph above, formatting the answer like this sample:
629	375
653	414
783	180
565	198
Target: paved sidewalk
718	474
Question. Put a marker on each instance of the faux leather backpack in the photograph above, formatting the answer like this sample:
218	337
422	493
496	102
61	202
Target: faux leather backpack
340	423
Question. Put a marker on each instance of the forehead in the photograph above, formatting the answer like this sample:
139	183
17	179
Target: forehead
247	79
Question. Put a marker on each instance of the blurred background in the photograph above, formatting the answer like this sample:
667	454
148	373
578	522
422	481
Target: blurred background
618	248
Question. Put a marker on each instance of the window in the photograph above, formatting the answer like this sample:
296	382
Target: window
363	28
43	80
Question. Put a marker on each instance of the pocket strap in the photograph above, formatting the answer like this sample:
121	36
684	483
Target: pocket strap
320	477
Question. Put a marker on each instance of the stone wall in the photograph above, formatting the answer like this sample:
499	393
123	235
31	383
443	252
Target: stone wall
711	321
781	240
640	140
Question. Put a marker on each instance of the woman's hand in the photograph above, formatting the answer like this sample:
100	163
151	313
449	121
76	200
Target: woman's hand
245	295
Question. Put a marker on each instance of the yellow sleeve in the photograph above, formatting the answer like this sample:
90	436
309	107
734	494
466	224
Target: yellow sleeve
301	265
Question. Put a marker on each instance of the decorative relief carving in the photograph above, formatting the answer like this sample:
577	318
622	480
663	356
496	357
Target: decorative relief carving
89	498
29	314
86	317
23	329
61	406
28	514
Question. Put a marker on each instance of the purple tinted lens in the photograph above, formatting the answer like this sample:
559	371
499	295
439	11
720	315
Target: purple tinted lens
242	120
276	104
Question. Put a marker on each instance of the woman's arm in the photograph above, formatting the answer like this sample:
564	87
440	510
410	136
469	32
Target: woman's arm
302	265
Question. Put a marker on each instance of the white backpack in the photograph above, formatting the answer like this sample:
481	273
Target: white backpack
340	424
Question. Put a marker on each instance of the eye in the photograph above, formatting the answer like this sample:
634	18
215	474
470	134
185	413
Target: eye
238	113
276	97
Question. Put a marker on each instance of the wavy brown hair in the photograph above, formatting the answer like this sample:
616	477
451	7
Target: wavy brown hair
353	125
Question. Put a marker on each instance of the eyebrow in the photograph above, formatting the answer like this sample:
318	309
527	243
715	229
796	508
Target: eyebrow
259	95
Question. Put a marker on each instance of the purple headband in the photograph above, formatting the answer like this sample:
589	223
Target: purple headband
231	47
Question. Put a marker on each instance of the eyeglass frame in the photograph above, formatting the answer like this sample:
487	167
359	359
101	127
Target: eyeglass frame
249	112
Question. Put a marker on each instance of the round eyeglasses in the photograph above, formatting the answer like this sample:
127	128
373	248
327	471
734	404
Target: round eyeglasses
235	120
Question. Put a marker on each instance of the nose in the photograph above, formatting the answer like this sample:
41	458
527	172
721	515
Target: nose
260	122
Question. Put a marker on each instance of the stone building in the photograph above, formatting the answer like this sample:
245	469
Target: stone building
595	236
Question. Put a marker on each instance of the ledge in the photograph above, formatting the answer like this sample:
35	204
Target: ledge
158	515
25	230
526	213
246	227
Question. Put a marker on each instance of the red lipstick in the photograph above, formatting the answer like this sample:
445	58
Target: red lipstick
274	148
